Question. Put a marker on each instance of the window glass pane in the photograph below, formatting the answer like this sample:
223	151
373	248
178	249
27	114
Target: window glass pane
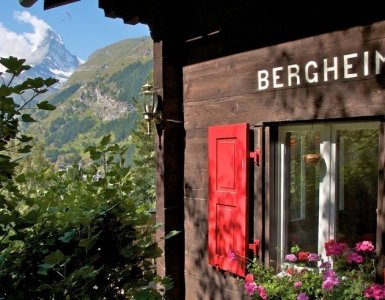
302	189
357	184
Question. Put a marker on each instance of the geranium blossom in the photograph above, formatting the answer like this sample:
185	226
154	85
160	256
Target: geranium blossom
250	288
302	296
365	246
297	284
375	291
353	257
291	258
262	292
303	256
334	248
330	280
313	257
346	271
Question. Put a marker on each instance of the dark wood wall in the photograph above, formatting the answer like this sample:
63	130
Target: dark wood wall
224	91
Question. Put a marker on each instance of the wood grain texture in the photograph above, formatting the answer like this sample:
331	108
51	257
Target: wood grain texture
223	91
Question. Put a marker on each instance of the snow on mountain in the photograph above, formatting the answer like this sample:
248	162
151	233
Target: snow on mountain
52	59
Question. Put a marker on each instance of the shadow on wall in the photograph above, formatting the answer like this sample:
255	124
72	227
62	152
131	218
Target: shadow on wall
356	97
202	281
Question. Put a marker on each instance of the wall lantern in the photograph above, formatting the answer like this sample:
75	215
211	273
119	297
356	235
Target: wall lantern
150	106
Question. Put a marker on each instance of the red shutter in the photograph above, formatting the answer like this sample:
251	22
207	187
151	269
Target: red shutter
228	165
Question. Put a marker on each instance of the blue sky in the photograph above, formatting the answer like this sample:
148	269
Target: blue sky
82	26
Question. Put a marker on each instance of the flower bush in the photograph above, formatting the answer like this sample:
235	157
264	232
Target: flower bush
347	273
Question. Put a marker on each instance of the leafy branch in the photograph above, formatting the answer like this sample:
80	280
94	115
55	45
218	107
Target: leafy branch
11	112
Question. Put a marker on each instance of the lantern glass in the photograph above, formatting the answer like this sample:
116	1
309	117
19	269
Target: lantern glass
150	104
150	101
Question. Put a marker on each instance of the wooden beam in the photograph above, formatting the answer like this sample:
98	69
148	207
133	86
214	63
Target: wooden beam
170	145
48	4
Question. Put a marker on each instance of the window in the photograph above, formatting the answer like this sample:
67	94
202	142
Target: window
327	184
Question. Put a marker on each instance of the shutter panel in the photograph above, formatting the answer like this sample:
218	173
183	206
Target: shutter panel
228	168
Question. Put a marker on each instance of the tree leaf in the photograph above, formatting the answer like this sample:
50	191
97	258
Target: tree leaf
95	154
33	83
25	149
21	178
54	258
43	269
25	138
45	106
32	216
27	118
113	148
67	236
85	243
50	81
105	140
14	65
5	218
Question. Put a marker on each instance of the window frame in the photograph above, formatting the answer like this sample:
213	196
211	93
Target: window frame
328	188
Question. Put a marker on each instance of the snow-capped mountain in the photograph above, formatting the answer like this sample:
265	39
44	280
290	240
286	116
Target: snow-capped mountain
52	59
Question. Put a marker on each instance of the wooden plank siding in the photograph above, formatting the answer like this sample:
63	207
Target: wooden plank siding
224	91
380	247
226	88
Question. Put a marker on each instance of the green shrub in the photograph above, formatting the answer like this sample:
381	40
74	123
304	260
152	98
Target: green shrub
82	237
73	234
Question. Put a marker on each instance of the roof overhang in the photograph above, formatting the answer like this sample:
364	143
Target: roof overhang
55	3
47	3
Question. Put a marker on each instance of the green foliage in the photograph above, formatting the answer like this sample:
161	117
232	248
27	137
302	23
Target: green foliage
120	127
65	94
81	236
127	81
143	163
68	128
80	233
12	142
114	57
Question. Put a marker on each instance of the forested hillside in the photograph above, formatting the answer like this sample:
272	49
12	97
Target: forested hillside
98	99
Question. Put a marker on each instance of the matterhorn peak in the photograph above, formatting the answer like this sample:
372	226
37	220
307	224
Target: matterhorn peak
52	59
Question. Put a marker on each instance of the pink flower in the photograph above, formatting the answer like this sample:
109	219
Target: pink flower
291	258
262	292
302	296
365	246
250	288
330	280
313	257
297	284
353	257
375	291
333	248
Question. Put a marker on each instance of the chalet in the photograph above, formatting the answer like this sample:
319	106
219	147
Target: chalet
272	131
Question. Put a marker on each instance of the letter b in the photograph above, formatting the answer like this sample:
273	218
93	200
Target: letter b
263	79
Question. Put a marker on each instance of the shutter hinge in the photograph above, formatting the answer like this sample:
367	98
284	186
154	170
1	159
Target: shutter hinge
256	156
254	246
